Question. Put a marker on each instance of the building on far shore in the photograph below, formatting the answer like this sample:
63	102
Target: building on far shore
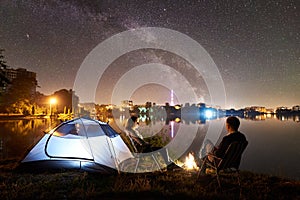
11	74
296	108
259	109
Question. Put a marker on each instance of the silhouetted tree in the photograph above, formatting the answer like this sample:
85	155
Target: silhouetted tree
64	100
4	81
20	95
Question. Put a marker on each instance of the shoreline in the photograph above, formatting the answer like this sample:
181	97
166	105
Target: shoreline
21	116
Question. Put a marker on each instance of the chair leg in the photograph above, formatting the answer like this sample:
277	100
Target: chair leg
133	145
201	170
218	179
239	182
156	162
238	178
137	164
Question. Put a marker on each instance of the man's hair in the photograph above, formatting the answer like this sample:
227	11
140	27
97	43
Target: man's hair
233	122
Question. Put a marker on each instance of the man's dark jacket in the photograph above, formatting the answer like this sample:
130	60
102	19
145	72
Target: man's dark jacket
226	141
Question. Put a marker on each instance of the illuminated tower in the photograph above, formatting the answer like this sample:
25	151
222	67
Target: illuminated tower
172	98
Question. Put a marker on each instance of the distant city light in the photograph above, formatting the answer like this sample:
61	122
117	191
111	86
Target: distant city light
53	100
143	118
172	129
208	114
177	120
172	98
177	107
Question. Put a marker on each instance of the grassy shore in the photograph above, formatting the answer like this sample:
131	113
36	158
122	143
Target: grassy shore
159	185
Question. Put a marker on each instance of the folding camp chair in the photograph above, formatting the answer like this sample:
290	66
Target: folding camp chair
229	164
150	156
142	155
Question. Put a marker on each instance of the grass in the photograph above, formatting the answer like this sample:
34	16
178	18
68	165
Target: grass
157	185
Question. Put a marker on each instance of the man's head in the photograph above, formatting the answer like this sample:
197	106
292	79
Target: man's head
232	123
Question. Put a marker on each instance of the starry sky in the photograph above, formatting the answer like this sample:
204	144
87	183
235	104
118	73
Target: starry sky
254	44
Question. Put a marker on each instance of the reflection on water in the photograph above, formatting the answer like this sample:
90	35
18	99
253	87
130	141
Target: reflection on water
295	118
274	141
17	136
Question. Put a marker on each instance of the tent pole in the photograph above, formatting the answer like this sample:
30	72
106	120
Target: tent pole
115	156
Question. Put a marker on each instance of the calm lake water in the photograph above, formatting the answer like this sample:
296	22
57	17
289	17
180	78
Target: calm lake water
274	145
17	136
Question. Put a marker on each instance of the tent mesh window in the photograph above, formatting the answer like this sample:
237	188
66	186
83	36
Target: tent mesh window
109	131
67	129
94	130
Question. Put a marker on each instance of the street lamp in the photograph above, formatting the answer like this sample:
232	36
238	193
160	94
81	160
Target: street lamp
52	101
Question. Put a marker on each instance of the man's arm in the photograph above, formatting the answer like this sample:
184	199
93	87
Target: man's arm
221	149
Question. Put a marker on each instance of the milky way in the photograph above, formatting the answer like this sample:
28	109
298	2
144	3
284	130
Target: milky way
255	44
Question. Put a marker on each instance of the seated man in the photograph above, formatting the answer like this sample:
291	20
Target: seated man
143	146
131	131
133	134
233	135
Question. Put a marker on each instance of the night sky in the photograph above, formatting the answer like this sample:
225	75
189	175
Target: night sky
254	44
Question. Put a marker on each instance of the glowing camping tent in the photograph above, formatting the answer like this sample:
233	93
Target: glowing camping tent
79	144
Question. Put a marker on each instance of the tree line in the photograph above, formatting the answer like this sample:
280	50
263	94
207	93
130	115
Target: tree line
19	95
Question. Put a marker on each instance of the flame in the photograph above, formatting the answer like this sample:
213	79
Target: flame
190	163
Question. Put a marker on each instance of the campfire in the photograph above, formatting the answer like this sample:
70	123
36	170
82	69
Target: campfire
190	163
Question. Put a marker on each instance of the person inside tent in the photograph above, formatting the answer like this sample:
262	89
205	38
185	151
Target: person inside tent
67	129
74	130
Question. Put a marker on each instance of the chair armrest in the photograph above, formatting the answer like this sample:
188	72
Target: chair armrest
215	157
